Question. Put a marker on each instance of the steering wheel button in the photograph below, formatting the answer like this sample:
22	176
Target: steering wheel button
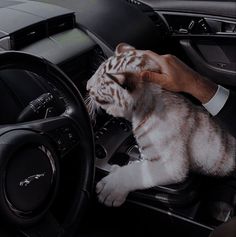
59	142
70	136
100	151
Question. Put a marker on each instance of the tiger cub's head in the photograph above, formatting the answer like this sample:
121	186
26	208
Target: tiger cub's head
114	86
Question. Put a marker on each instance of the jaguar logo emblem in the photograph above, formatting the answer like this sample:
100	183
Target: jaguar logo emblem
28	180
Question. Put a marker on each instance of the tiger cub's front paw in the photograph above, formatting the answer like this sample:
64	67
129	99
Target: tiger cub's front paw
112	190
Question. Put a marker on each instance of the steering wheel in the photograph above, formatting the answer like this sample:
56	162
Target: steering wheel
48	161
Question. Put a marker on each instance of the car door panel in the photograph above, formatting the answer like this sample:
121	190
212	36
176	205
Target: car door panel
207	39
211	60
214	8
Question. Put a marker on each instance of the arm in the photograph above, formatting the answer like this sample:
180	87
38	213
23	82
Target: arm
176	76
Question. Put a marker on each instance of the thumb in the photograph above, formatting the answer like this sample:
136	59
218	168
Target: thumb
149	76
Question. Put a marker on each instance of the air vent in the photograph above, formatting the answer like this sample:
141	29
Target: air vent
81	68
60	24
33	33
28	35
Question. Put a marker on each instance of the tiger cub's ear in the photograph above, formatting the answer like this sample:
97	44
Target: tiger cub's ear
126	80
123	47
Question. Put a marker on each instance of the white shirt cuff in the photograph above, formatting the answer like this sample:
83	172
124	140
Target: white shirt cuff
217	102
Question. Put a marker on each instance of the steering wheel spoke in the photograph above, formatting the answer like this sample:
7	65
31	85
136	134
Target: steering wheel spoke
61	130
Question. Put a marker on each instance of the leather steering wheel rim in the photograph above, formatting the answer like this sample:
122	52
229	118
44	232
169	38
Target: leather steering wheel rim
76	114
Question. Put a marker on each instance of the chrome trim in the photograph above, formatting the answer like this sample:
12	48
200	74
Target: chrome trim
28	180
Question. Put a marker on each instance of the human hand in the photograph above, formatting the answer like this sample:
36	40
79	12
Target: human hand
176	76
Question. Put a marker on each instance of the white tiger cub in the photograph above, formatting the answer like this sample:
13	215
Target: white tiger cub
173	134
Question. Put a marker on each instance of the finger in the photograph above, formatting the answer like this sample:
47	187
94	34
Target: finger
151	54
155	77
159	59
155	57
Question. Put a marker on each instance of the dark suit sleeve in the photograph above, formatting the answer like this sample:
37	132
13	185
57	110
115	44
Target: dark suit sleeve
227	115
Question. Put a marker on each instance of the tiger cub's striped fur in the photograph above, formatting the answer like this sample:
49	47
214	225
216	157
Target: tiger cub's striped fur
173	134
